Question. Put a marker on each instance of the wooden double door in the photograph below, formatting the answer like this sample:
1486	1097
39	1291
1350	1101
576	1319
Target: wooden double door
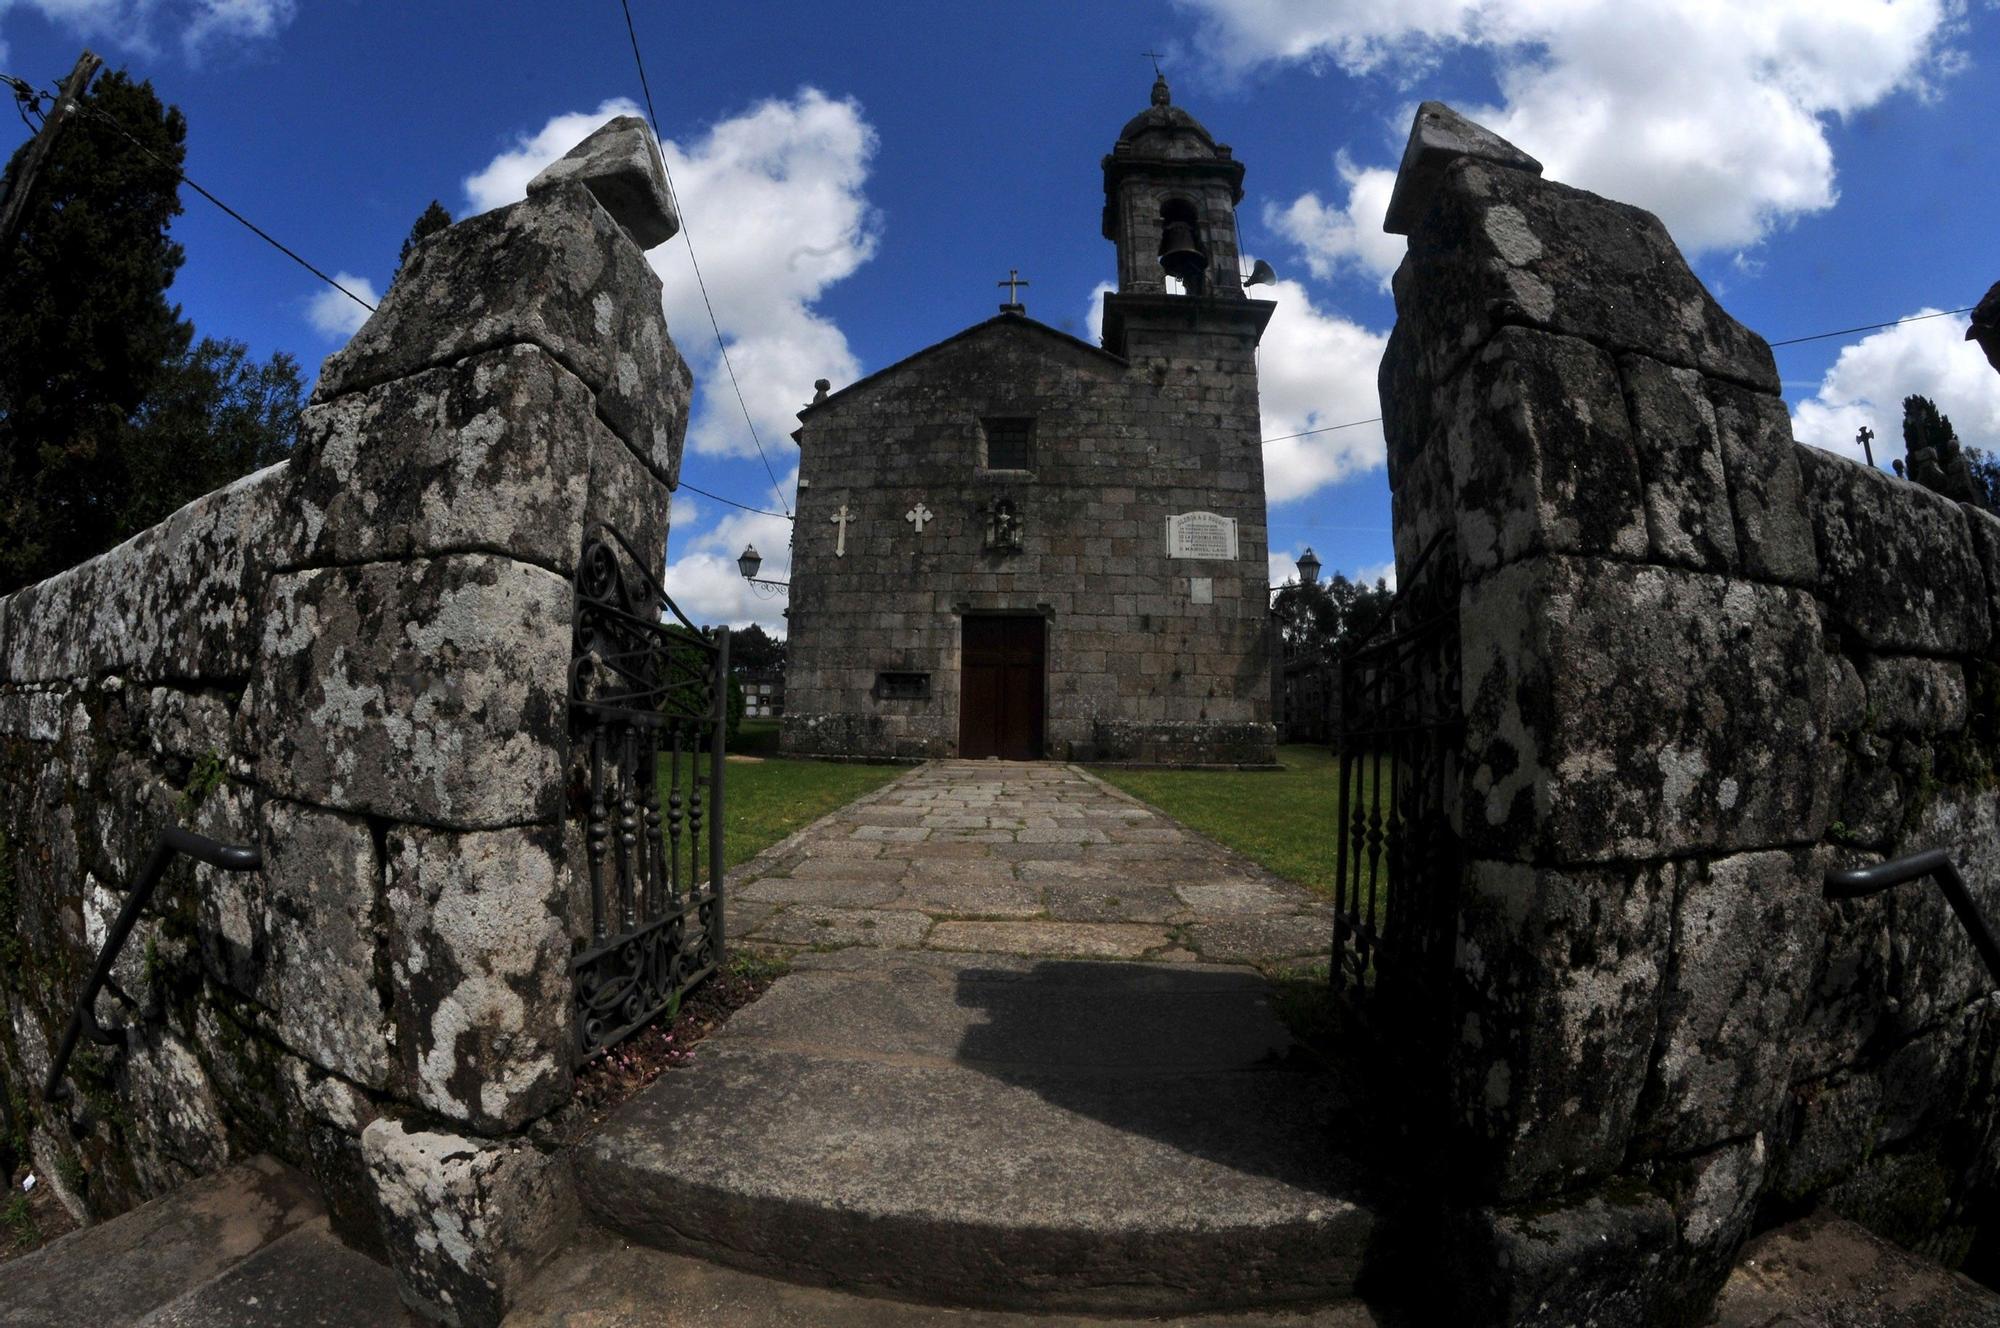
1002	687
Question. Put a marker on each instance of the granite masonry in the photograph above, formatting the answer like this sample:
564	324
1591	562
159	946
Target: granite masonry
1018	544
1701	666
355	660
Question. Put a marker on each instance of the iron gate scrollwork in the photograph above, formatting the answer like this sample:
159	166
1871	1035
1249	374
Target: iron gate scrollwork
648	700
1397	860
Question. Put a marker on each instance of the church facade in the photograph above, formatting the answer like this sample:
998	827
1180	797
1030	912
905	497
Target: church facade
1017	544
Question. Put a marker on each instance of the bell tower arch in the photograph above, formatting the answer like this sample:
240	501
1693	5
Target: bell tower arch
1170	196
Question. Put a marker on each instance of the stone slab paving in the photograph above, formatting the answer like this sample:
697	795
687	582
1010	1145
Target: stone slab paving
1023	1061
996	857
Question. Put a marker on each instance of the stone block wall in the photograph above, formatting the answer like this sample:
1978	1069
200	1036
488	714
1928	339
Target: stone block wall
1136	668
1701	666
355	660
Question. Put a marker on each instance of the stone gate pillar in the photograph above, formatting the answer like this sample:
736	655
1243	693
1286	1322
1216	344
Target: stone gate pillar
1673	622
357	660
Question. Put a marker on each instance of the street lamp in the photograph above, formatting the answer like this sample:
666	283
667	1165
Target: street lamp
748	563
1308	567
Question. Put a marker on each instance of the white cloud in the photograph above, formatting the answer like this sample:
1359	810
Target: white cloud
1373	572
335	316
1867	384
705	581
137	25
773	200
1315	369
1350	234
1713	116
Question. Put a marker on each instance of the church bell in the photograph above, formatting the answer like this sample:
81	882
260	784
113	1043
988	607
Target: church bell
1181	254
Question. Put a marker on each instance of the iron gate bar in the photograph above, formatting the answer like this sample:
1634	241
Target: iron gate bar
643	685
1395	852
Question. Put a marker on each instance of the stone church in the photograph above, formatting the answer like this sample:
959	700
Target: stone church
1017	544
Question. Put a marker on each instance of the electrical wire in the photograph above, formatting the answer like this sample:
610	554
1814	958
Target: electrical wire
253	227
1870	327
782	516
701	284
1792	341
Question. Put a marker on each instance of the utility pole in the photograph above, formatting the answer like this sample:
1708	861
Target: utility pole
16	205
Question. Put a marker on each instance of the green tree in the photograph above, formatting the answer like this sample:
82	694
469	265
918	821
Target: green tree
1318	619
753	650
85	326
429	222
111	414
1924	425
214	415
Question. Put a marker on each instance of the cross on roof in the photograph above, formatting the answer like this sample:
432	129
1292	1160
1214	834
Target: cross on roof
1014	280
1154	56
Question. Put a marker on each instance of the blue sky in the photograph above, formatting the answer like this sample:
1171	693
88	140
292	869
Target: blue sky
857	178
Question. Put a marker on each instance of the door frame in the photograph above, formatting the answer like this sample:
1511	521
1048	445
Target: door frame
1047	618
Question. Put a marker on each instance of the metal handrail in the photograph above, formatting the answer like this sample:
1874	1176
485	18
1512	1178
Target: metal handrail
1857	882
173	842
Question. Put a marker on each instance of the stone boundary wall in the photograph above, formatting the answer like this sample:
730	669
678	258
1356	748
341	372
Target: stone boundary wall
1702	665
357	660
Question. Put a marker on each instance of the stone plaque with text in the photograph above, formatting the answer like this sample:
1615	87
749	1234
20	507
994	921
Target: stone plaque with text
1201	535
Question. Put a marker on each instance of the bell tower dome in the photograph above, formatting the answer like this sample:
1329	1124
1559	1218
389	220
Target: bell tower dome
1170	196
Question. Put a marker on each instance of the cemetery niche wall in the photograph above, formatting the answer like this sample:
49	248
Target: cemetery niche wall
1015	543
357	661
1702	665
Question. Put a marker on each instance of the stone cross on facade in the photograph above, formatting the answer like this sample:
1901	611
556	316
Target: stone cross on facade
918	515
841	518
1865	437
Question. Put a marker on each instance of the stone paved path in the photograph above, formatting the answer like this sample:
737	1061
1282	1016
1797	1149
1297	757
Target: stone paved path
1026	859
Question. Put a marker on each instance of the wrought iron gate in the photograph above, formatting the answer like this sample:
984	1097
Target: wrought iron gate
649	704
1397	860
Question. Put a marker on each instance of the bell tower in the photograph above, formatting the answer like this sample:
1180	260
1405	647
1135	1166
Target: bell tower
1170	196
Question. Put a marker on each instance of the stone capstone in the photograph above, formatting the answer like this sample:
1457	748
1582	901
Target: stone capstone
1439	136
620	165
556	272
1500	247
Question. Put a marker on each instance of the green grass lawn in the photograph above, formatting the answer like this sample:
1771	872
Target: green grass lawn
1283	819
766	800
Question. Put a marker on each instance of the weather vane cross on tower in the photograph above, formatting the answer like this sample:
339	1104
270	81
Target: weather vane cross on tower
1154	56
1013	280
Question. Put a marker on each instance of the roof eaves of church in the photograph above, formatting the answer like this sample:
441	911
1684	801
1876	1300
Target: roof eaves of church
998	320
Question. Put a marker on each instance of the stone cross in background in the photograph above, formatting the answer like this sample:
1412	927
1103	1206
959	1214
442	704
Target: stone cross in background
918	515
841	518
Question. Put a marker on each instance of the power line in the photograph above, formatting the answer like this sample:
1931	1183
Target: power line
782	516
702	285
1870	327
1351	424
1793	341
254	228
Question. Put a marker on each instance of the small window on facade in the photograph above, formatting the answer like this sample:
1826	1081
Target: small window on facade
1010	443
903	686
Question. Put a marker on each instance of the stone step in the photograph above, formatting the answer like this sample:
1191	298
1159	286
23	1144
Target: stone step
116	1272
607	1283
1004	1134
247	1245
304	1279
1824	1272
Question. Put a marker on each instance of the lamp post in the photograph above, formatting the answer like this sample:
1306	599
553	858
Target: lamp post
1308	567
748	563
